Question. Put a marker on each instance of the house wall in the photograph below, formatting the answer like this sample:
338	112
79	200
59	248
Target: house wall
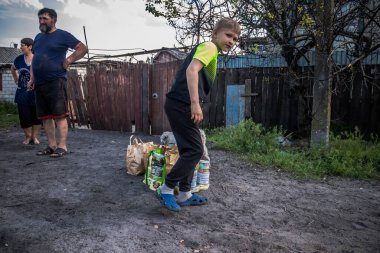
8	91
164	57
8	86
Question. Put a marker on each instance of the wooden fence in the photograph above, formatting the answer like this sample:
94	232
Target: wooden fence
278	100
114	95
77	102
126	97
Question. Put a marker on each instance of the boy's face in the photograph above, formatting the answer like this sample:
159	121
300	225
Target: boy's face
225	39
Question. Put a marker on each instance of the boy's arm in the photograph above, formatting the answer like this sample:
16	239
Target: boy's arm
14	74
192	84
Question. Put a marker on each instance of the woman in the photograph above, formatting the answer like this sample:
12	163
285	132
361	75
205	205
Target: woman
25	98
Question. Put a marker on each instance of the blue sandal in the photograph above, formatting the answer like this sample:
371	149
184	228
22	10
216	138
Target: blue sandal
194	200
168	201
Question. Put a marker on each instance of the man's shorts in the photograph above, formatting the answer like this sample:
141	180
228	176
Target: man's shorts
51	100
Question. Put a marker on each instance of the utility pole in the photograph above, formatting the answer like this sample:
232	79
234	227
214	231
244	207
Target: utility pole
321	112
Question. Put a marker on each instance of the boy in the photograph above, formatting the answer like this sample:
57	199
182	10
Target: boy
183	109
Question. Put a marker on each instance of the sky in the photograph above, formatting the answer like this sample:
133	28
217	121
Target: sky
109	24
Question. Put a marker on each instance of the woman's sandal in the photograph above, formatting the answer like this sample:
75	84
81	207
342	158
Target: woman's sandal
58	152
46	151
194	200
168	201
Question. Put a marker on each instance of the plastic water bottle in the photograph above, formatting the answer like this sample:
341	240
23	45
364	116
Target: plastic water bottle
194	180
203	176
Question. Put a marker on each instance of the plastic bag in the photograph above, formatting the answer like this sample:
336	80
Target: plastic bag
172	155
156	171
135	156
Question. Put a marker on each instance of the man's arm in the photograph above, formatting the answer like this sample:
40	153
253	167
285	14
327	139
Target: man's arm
80	51
192	84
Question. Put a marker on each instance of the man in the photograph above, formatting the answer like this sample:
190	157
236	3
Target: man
49	77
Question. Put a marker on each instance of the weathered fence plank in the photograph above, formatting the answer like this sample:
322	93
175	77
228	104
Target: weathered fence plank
114	96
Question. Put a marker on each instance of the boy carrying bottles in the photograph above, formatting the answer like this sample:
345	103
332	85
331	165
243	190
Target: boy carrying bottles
183	108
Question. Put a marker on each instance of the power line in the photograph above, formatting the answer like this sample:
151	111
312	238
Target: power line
135	53
98	56
127	49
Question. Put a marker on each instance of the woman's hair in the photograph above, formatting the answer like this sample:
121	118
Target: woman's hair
227	23
27	41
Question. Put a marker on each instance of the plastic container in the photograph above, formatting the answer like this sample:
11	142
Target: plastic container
158	161
203	177
194	180
204	164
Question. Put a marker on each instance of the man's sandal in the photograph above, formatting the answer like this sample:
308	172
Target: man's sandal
168	201
46	151
58	152
194	200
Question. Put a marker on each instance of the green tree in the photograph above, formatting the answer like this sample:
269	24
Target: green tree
193	20
291	28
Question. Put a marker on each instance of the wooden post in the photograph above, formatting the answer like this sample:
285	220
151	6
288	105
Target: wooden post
145	99
248	99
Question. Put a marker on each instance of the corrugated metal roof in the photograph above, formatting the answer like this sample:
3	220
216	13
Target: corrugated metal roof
8	54
180	55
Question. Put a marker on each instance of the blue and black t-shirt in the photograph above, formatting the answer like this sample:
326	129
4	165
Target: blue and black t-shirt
49	51
207	53
23	96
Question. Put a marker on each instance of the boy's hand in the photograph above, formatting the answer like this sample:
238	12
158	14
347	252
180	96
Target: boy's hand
196	113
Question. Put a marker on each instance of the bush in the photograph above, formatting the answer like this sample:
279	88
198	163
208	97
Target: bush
348	154
8	115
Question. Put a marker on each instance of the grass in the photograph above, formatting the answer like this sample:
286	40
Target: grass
348	154
8	115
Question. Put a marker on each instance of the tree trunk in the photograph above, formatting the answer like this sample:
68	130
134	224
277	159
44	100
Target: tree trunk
320	125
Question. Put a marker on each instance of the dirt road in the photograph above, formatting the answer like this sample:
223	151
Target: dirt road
86	202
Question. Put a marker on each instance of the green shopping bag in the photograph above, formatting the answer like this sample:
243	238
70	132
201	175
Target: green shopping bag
156	171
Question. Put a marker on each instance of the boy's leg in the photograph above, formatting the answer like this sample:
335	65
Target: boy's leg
189	143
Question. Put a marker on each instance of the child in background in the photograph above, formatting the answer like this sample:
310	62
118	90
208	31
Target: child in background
183	108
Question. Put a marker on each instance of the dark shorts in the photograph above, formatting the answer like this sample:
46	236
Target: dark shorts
51	100
27	115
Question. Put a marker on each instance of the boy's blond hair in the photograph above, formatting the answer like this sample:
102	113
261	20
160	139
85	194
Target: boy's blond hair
227	23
